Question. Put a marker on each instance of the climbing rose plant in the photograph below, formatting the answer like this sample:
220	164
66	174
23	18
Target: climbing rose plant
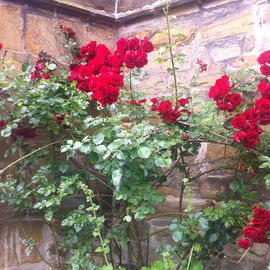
95	151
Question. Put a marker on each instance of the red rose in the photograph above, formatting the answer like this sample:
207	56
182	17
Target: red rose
264	118
203	67
264	88
251	232
154	100
122	45
27	133
142	101
185	137
40	65
1	46
133	102
222	105
252	136
251	115
124	120
244	243
220	89
146	45
130	59
239	136
239	121
89	49
102	50
59	118
183	101
35	75
3	124
234	99
265	70
172	116
46	76
264	58
134	44
263	105
165	107
141	59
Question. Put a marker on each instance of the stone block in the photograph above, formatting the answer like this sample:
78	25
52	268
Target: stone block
243	60
218	151
225	53
211	186
41	35
231	26
160	36
216	3
12	253
186	9
16	59
101	35
11	30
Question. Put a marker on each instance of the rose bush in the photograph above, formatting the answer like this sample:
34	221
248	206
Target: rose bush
83	131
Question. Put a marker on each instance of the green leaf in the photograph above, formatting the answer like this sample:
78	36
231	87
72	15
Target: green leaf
177	236
77	145
6	132
98	138
52	66
63	168
203	223
100	149
127	218
144	152
116	177
85	148
213	237
25	67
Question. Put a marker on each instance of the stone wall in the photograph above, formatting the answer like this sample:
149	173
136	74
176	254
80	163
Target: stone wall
225	34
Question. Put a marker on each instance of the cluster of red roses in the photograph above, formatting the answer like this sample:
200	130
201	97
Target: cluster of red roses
258	229
220	93
264	61
248	122
134	52
166	109
98	71
68	32
39	71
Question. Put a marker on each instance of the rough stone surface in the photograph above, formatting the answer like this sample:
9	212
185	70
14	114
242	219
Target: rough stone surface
11	27
12	253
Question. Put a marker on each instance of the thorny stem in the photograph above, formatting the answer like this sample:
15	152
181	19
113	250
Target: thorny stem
166	11
130	84
153	233
182	183
28	155
136	232
89	194
165	214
